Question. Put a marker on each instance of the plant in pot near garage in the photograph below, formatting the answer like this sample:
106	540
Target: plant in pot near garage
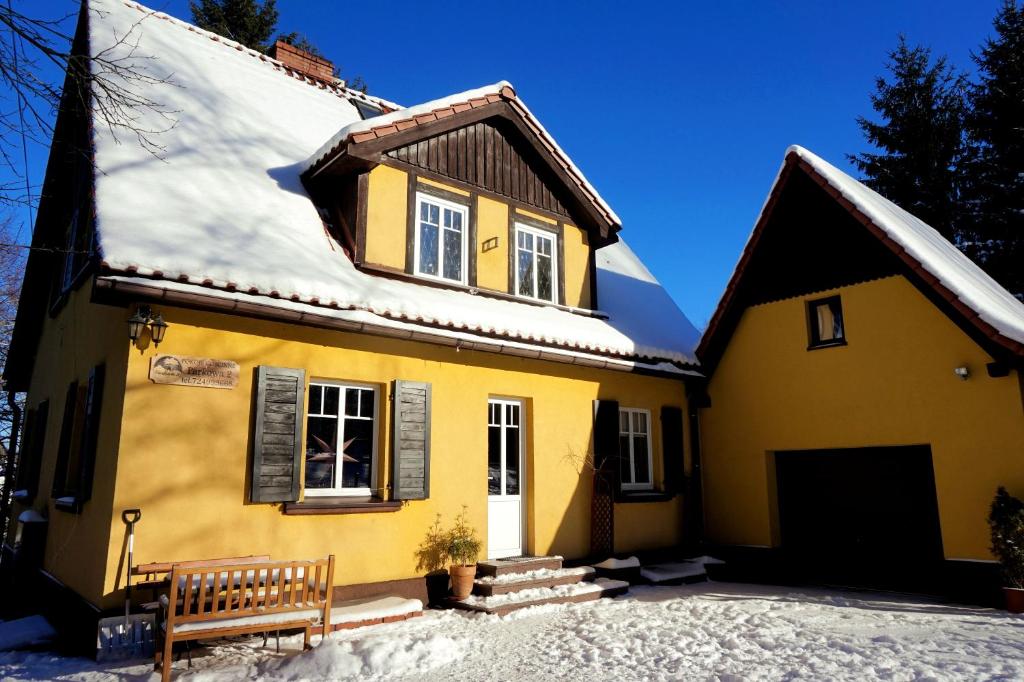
463	548
1006	521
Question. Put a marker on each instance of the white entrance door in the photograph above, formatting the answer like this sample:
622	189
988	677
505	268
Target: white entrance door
506	487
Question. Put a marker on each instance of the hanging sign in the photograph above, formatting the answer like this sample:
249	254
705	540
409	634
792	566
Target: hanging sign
182	370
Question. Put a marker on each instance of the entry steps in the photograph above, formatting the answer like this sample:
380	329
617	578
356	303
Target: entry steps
506	585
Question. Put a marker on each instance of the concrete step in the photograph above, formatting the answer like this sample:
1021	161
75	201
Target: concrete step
521	564
359	613
681	572
542	577
502	604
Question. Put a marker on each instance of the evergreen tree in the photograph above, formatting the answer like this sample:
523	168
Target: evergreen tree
243	21
996	173
920	138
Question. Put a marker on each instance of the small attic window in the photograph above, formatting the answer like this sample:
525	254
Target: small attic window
365	109
825	323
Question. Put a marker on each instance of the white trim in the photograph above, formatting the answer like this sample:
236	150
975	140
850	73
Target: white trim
338	490
463	210
521	496
632	485
550	235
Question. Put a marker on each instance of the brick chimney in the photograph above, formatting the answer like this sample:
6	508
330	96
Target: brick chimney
304	62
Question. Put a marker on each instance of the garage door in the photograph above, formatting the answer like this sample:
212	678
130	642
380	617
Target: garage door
864	516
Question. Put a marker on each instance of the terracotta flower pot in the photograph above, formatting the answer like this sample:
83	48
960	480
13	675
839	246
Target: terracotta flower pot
1014	599
462	580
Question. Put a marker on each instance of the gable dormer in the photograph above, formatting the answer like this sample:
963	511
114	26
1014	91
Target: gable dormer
465	192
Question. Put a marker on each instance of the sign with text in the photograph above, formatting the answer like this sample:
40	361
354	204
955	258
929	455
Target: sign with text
182	370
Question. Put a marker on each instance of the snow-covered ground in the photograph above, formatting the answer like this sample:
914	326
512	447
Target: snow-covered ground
711	630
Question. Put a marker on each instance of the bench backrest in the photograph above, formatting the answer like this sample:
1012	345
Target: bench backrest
215	590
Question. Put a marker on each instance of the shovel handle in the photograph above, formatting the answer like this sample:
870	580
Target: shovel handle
131	516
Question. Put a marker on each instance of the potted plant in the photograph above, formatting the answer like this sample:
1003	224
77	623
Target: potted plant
1006	521
463	548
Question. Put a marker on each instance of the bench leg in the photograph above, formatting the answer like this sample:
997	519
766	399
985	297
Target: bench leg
305	638
278	639
166	660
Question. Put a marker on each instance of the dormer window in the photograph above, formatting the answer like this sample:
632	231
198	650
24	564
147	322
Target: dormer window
441	239
825	322
536	275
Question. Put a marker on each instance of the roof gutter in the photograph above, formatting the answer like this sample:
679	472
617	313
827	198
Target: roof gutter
119	291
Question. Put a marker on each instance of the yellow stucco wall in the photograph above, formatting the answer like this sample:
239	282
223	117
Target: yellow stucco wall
492	247
185	450
81	336
893	384
386	217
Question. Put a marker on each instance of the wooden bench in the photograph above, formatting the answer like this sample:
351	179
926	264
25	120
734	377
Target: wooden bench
221	598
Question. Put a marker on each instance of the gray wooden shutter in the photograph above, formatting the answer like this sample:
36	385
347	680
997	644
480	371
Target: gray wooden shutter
410	440
277	435
90	432
672	448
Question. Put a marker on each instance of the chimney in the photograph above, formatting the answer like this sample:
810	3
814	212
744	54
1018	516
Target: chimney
304	62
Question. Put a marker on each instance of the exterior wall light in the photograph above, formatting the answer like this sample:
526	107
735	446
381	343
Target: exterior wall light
144	316
962	372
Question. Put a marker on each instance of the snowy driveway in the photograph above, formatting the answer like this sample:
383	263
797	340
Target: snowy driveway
708	631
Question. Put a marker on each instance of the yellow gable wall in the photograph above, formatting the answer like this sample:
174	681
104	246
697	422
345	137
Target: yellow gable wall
387	215
185	451
81	336
892	385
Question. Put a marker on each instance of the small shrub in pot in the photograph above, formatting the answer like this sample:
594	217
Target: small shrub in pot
1006	522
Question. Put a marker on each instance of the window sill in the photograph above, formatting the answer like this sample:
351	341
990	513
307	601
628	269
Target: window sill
830	344
635	496
340	505
68	504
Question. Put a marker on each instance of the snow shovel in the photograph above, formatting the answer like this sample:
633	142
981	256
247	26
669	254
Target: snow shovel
128	636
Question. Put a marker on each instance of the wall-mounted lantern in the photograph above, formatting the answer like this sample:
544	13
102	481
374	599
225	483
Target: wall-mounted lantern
962	372
142	318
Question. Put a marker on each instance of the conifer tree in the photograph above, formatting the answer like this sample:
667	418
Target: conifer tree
996	172
922	105
244	21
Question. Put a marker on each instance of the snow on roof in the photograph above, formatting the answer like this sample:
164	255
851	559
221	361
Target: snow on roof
224	207
958	273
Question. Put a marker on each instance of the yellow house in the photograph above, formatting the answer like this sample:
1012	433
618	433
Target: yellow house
864	394
311	320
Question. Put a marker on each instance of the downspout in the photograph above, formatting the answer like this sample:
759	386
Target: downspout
9	470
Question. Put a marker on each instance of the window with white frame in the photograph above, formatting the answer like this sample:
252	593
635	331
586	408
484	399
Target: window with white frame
635	449
341	442
441	238
536	265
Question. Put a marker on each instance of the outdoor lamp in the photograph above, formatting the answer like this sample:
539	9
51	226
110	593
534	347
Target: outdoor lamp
136	323
142	318
157	328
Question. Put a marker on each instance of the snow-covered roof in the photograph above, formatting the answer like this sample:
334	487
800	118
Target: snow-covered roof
955	276
224	208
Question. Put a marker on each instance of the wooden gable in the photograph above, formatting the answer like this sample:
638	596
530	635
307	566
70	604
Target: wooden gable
487	155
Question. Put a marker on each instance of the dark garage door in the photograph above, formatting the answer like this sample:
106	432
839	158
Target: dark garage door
860	516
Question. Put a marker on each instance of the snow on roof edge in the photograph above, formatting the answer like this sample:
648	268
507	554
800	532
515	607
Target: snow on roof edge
974	287
369	318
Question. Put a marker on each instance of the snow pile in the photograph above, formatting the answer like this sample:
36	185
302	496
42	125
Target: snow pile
613	563
373	607
706	631
227	213
25	633
537	574
373	656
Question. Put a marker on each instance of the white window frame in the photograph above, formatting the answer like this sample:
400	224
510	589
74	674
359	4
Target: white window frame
424	197
504	426
338	490
631	455
545	234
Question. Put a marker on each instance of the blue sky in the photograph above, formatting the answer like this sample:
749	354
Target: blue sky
679	113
